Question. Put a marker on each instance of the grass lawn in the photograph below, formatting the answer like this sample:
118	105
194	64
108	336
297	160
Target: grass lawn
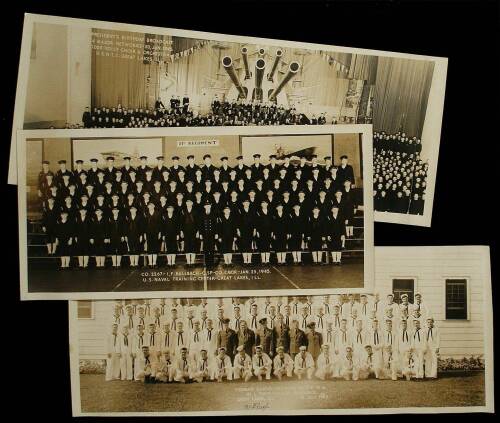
124	396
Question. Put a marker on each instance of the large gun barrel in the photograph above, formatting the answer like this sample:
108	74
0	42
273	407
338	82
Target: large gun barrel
260	65
293	68
227	62
244	55
277	58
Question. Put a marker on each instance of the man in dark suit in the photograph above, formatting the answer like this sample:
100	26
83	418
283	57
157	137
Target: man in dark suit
265	337
87	118
246	338
297	338
281	334
345	171
228	339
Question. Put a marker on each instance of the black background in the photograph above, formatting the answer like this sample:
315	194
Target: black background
35	369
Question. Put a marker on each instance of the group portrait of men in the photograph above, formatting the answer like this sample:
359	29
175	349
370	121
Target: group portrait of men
399	174
351	337
283	208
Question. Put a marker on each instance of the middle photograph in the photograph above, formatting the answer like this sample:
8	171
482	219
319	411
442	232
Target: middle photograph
197	211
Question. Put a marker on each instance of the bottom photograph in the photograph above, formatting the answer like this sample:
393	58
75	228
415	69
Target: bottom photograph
422	342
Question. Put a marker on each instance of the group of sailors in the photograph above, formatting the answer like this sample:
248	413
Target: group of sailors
399	174
278	207
342	336
179	113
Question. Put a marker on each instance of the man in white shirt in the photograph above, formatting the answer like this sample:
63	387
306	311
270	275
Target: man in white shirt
325	365
261	364
195	343
126	350
390	304
364	308
304	318
242	368
282	363
113	352
296	306
183	367
343	338
152	340
419	305
209	339
203	318
235	322
174	319
404	338
359	338
145	366
349	368
254	317
431	355
336	316
376	340
165	368
223	368
304	364
419	347
166	339
368	366
181	339
204	369
157	318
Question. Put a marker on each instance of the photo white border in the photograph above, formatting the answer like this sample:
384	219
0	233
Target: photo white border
433	118
489	406
367	165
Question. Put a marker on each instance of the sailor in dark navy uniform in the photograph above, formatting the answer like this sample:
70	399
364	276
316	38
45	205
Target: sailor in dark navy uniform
62	171
208	233
159	168
257	167
142	168
78	170
191	168
175	168
207	170
225	169
345	171
246	231
92	172
227	230
240	168
110	170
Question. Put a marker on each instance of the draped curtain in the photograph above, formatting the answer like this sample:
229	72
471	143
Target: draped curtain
401	94
192	73
132	82
322	83
363	67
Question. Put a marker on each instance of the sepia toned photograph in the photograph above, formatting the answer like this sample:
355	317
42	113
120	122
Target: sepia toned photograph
420	343
228	210
122	76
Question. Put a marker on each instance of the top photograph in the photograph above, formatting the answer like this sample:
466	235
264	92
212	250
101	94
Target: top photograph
91	74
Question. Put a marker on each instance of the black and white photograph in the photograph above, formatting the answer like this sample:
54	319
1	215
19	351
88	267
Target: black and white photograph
225	210
124	76
421	342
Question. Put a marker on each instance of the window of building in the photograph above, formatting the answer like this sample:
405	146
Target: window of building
85	310
456	299
403	286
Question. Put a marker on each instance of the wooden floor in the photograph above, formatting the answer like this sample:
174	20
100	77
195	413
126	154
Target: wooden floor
48	278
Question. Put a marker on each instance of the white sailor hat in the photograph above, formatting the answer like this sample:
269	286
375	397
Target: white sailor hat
302	348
